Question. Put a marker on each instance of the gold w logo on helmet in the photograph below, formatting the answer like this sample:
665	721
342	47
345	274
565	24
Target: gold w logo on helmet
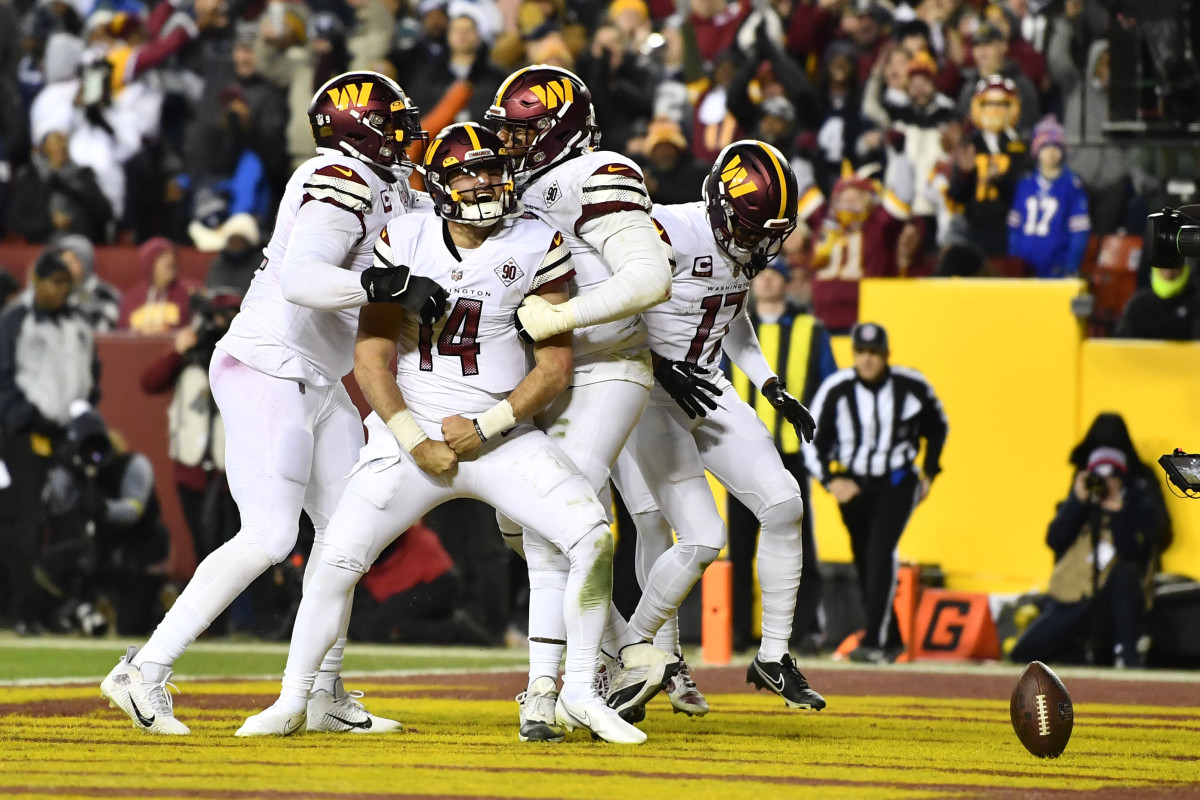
353	95
734	177
554	93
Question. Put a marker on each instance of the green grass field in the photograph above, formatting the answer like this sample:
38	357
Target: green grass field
899	732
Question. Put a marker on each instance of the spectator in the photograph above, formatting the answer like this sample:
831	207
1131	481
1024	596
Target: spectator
1106	537
990	51
235	148
98	302
857	234
797	347
10	288
885	95
1102	164
870	423
839	103
1048	226
622	85
813	24
1169	308
866	24
160	302
47	362
411	596
715	25
57	195
1020	50
673	175
921	121
466	60
713	127
774	116
236	242
988	165
197	436
108	533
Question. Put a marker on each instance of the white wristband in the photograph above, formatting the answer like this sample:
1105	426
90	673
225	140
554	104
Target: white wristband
496	419
406	430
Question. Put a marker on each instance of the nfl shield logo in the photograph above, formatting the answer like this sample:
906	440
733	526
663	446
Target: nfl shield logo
456	275
508	272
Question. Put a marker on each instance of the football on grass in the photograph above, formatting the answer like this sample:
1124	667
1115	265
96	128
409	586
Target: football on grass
1041	711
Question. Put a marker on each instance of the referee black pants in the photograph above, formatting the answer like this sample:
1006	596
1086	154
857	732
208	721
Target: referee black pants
876	520
743	545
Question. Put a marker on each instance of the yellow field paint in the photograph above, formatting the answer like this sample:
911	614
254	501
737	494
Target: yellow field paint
874	748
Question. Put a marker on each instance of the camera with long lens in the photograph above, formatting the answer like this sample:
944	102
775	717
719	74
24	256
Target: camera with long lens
1173	235
1183	470
211	315
1096	486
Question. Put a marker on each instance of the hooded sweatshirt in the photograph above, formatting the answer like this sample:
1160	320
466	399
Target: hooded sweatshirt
146	309
97	301
1095	158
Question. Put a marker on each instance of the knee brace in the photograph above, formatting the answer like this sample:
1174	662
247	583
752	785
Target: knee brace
700	554
542	556
783	516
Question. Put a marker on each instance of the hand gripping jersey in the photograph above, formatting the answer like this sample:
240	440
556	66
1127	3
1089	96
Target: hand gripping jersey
287	340
472	358
567	196
707	294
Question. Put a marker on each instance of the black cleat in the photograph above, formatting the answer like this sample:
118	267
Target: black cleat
785	679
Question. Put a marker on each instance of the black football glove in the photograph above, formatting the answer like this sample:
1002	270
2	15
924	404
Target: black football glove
682	380
417	294
791	408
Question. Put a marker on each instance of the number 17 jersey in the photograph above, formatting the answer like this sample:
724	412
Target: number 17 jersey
472	357
708	291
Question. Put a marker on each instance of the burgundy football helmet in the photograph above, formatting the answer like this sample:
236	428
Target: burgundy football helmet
366	116
547	114
472	150
751	194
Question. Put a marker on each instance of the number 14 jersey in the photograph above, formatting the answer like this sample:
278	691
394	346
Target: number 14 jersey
472	357
708	291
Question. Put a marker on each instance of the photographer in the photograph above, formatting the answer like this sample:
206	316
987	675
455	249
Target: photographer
1106	537
197	436
107	529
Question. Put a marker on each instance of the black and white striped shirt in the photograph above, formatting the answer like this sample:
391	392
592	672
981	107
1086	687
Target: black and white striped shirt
873	432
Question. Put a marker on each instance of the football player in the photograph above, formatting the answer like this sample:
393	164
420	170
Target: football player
439	431
598	200
292	431
696	421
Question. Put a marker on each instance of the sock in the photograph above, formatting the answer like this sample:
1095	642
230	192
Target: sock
319	620
548	571
617	633
219	579
780	558
654	539
670	580
330	671
586	603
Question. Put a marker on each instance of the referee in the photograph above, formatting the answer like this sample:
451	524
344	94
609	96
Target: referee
870	420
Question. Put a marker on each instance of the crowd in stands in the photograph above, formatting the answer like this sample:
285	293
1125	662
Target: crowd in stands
930	137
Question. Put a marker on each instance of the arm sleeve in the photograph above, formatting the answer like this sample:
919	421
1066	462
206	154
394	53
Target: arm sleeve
934	428
323	234
743	349
819	452
16	411
629	244
137	484
1068	521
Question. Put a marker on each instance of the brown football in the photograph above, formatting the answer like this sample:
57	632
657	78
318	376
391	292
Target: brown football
1041	711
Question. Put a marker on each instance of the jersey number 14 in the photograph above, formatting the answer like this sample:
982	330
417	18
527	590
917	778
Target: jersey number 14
458	337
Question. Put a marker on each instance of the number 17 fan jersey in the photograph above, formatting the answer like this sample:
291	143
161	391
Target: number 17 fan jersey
472	357
708	291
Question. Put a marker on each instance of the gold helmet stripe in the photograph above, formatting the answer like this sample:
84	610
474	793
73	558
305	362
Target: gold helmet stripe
433	146
783	198
504	86
474	137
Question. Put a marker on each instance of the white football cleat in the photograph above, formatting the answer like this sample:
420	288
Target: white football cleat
148	705
272	722
604	722
685	696
641	671
537	712
340	712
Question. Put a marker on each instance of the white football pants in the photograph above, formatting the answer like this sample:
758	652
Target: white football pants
667	455
289	446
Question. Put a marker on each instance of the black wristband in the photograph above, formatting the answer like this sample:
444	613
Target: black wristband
479	430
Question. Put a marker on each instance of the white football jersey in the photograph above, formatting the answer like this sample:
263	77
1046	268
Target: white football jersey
287	340
472	357
568	195
708	290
